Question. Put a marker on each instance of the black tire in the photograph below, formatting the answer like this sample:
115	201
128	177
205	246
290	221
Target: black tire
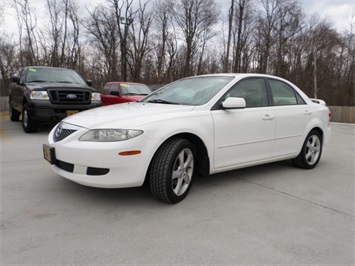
311	151
14	114
171	170
29	124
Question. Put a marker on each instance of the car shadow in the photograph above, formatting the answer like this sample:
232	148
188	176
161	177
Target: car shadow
141	195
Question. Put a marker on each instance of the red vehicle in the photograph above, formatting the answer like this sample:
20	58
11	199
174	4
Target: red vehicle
122	92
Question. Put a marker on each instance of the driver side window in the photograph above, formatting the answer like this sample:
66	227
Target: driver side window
114	88
252	90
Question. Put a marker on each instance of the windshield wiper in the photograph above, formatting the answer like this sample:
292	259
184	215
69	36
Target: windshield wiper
130	93
161	101
135	93
64	82
34	81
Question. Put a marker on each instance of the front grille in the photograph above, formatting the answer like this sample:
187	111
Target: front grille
62	135
64	130
69	96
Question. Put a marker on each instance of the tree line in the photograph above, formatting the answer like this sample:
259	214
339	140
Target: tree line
159	41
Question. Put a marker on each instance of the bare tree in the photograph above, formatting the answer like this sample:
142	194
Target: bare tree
162	40
123	16
74	50
27	21
8	63
102	30
140	40
243	29
229	37
288	25
195	18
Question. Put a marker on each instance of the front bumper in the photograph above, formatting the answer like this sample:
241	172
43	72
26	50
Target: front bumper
98	164
48	112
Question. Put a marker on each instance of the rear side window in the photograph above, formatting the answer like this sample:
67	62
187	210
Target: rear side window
283	94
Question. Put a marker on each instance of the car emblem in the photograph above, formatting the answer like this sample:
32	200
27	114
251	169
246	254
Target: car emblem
71	96
59	131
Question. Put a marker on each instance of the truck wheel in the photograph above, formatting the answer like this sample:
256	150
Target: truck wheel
29	125
14	114
171	170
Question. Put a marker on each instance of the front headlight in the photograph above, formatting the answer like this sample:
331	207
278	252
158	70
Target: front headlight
95	96
39	95
107	135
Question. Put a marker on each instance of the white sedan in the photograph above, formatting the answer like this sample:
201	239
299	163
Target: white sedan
199	125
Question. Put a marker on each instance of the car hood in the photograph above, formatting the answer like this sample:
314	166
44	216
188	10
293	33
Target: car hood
127	115
134	97
45	85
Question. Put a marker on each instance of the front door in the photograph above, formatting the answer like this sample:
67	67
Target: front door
244	136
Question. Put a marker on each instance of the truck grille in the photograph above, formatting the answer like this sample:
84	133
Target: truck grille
69	96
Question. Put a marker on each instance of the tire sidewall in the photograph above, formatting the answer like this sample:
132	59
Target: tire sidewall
29	125
161	169
304	150
183	145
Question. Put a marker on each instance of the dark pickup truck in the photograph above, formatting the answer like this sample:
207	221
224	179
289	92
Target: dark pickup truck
49	94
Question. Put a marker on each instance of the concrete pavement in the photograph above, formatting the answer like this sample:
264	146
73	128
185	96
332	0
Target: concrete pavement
270	214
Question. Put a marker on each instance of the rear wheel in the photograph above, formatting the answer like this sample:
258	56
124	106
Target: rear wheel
29	124
311	151
171	170
14	114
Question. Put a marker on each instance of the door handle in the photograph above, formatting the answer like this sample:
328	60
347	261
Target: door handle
268	117
307	112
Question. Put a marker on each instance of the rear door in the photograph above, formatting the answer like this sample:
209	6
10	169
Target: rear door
292	115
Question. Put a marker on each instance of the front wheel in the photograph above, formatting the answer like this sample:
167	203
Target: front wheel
171	170
29	124
311	151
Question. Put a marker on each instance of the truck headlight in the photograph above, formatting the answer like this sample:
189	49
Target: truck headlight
39	95
107	135
95	96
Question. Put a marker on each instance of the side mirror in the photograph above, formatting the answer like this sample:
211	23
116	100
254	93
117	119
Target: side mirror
16	79
89	82
114	93
234	103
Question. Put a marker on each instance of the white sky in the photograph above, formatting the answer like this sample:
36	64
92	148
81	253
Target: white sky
339	11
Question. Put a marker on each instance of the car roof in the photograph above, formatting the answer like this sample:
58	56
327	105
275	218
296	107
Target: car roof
48	67
240	75
126	82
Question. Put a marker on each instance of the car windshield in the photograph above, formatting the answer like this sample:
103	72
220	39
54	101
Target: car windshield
189	91
134	89
53	75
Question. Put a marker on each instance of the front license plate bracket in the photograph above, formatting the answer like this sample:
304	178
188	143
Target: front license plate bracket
49	154
71	112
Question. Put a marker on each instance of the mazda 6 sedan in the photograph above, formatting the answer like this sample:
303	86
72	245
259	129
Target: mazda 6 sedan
199	125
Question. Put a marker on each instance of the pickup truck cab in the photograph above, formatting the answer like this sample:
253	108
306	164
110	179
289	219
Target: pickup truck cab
123	92
49	94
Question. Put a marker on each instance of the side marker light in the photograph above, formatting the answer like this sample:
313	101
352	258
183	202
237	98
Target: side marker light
128	153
